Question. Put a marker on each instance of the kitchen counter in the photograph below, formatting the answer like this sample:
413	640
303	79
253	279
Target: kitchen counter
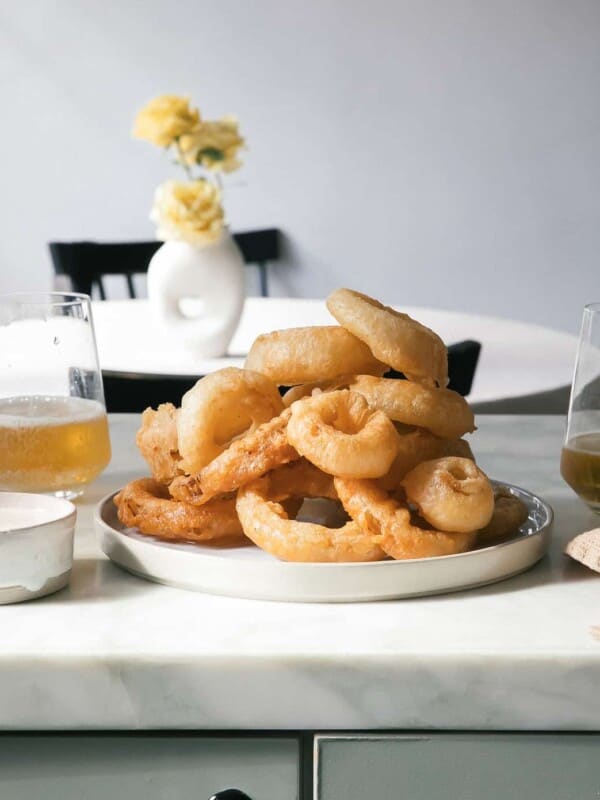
115	652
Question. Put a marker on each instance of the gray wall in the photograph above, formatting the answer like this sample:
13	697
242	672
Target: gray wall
431	152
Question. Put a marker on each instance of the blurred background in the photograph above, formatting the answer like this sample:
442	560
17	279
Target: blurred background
430	153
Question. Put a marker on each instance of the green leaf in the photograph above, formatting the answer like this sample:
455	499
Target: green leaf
212	153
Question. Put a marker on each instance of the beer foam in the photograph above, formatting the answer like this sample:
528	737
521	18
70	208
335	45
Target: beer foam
45	410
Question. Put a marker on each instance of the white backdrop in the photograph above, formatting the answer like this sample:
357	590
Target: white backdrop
432	152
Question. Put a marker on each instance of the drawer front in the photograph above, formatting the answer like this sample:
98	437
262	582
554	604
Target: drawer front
145	767
458	767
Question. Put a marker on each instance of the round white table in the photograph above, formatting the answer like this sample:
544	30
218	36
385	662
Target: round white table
517	359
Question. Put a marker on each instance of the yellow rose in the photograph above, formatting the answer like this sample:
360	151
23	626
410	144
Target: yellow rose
188	211
164	119
214	145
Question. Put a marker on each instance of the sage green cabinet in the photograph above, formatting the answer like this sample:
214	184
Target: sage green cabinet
136	766
477	766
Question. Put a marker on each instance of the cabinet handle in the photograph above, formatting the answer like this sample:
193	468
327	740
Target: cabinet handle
230	794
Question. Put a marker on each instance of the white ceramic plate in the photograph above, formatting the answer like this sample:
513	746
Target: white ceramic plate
251	573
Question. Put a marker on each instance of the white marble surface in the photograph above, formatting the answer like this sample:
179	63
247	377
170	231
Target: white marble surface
517	358
115	652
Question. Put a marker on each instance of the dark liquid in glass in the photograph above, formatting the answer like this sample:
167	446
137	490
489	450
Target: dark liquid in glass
580	467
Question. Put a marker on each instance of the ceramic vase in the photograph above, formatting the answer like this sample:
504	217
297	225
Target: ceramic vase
213	277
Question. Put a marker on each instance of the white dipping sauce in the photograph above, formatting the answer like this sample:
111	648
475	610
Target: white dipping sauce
36	544
13	518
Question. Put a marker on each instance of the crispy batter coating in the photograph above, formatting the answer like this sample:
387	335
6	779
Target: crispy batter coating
441	411
342	435
157	442
146	505
417	446
266	522
451	494
221	407
245	459
509	514
297	355
394	338
388	520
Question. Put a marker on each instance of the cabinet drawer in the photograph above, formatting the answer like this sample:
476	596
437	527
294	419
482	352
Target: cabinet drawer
477	766
145	767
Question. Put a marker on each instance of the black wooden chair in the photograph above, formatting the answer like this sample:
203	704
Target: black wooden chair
134	392
86	263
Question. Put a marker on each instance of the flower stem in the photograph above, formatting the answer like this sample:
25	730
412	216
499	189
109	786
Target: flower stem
182	161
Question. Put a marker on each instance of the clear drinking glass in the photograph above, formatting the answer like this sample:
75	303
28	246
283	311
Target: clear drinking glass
580	460
53	427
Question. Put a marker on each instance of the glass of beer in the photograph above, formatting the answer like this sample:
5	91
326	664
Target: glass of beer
580	460
53	427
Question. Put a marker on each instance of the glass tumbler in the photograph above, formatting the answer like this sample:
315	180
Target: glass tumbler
53	427
580	460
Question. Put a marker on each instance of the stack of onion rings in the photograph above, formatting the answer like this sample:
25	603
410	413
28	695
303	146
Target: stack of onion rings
236	461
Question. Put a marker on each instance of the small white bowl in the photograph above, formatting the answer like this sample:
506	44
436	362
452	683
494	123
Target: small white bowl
36	545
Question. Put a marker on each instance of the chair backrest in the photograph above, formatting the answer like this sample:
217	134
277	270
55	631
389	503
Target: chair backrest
85	263
462	363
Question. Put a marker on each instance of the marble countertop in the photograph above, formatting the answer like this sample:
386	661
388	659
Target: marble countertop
115	652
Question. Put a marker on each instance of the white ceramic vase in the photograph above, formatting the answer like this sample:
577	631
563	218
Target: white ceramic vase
213	276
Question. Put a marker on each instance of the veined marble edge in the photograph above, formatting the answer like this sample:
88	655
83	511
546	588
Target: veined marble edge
402	659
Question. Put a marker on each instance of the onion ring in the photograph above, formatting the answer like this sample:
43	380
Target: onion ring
265	521
297	355
218	409
443	412
389	522
339	433
394	338
244	460
158	444
509	514
451	494
146	505
418	446
313	388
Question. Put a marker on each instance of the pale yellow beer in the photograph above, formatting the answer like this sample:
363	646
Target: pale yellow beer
51	444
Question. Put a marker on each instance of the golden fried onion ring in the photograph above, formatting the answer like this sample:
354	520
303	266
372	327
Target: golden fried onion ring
245	459
218	409
158	444
298	355
443	412
265	521
509	514
389	522
417	446
451	494
146	505
394	338
342	435
313	388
